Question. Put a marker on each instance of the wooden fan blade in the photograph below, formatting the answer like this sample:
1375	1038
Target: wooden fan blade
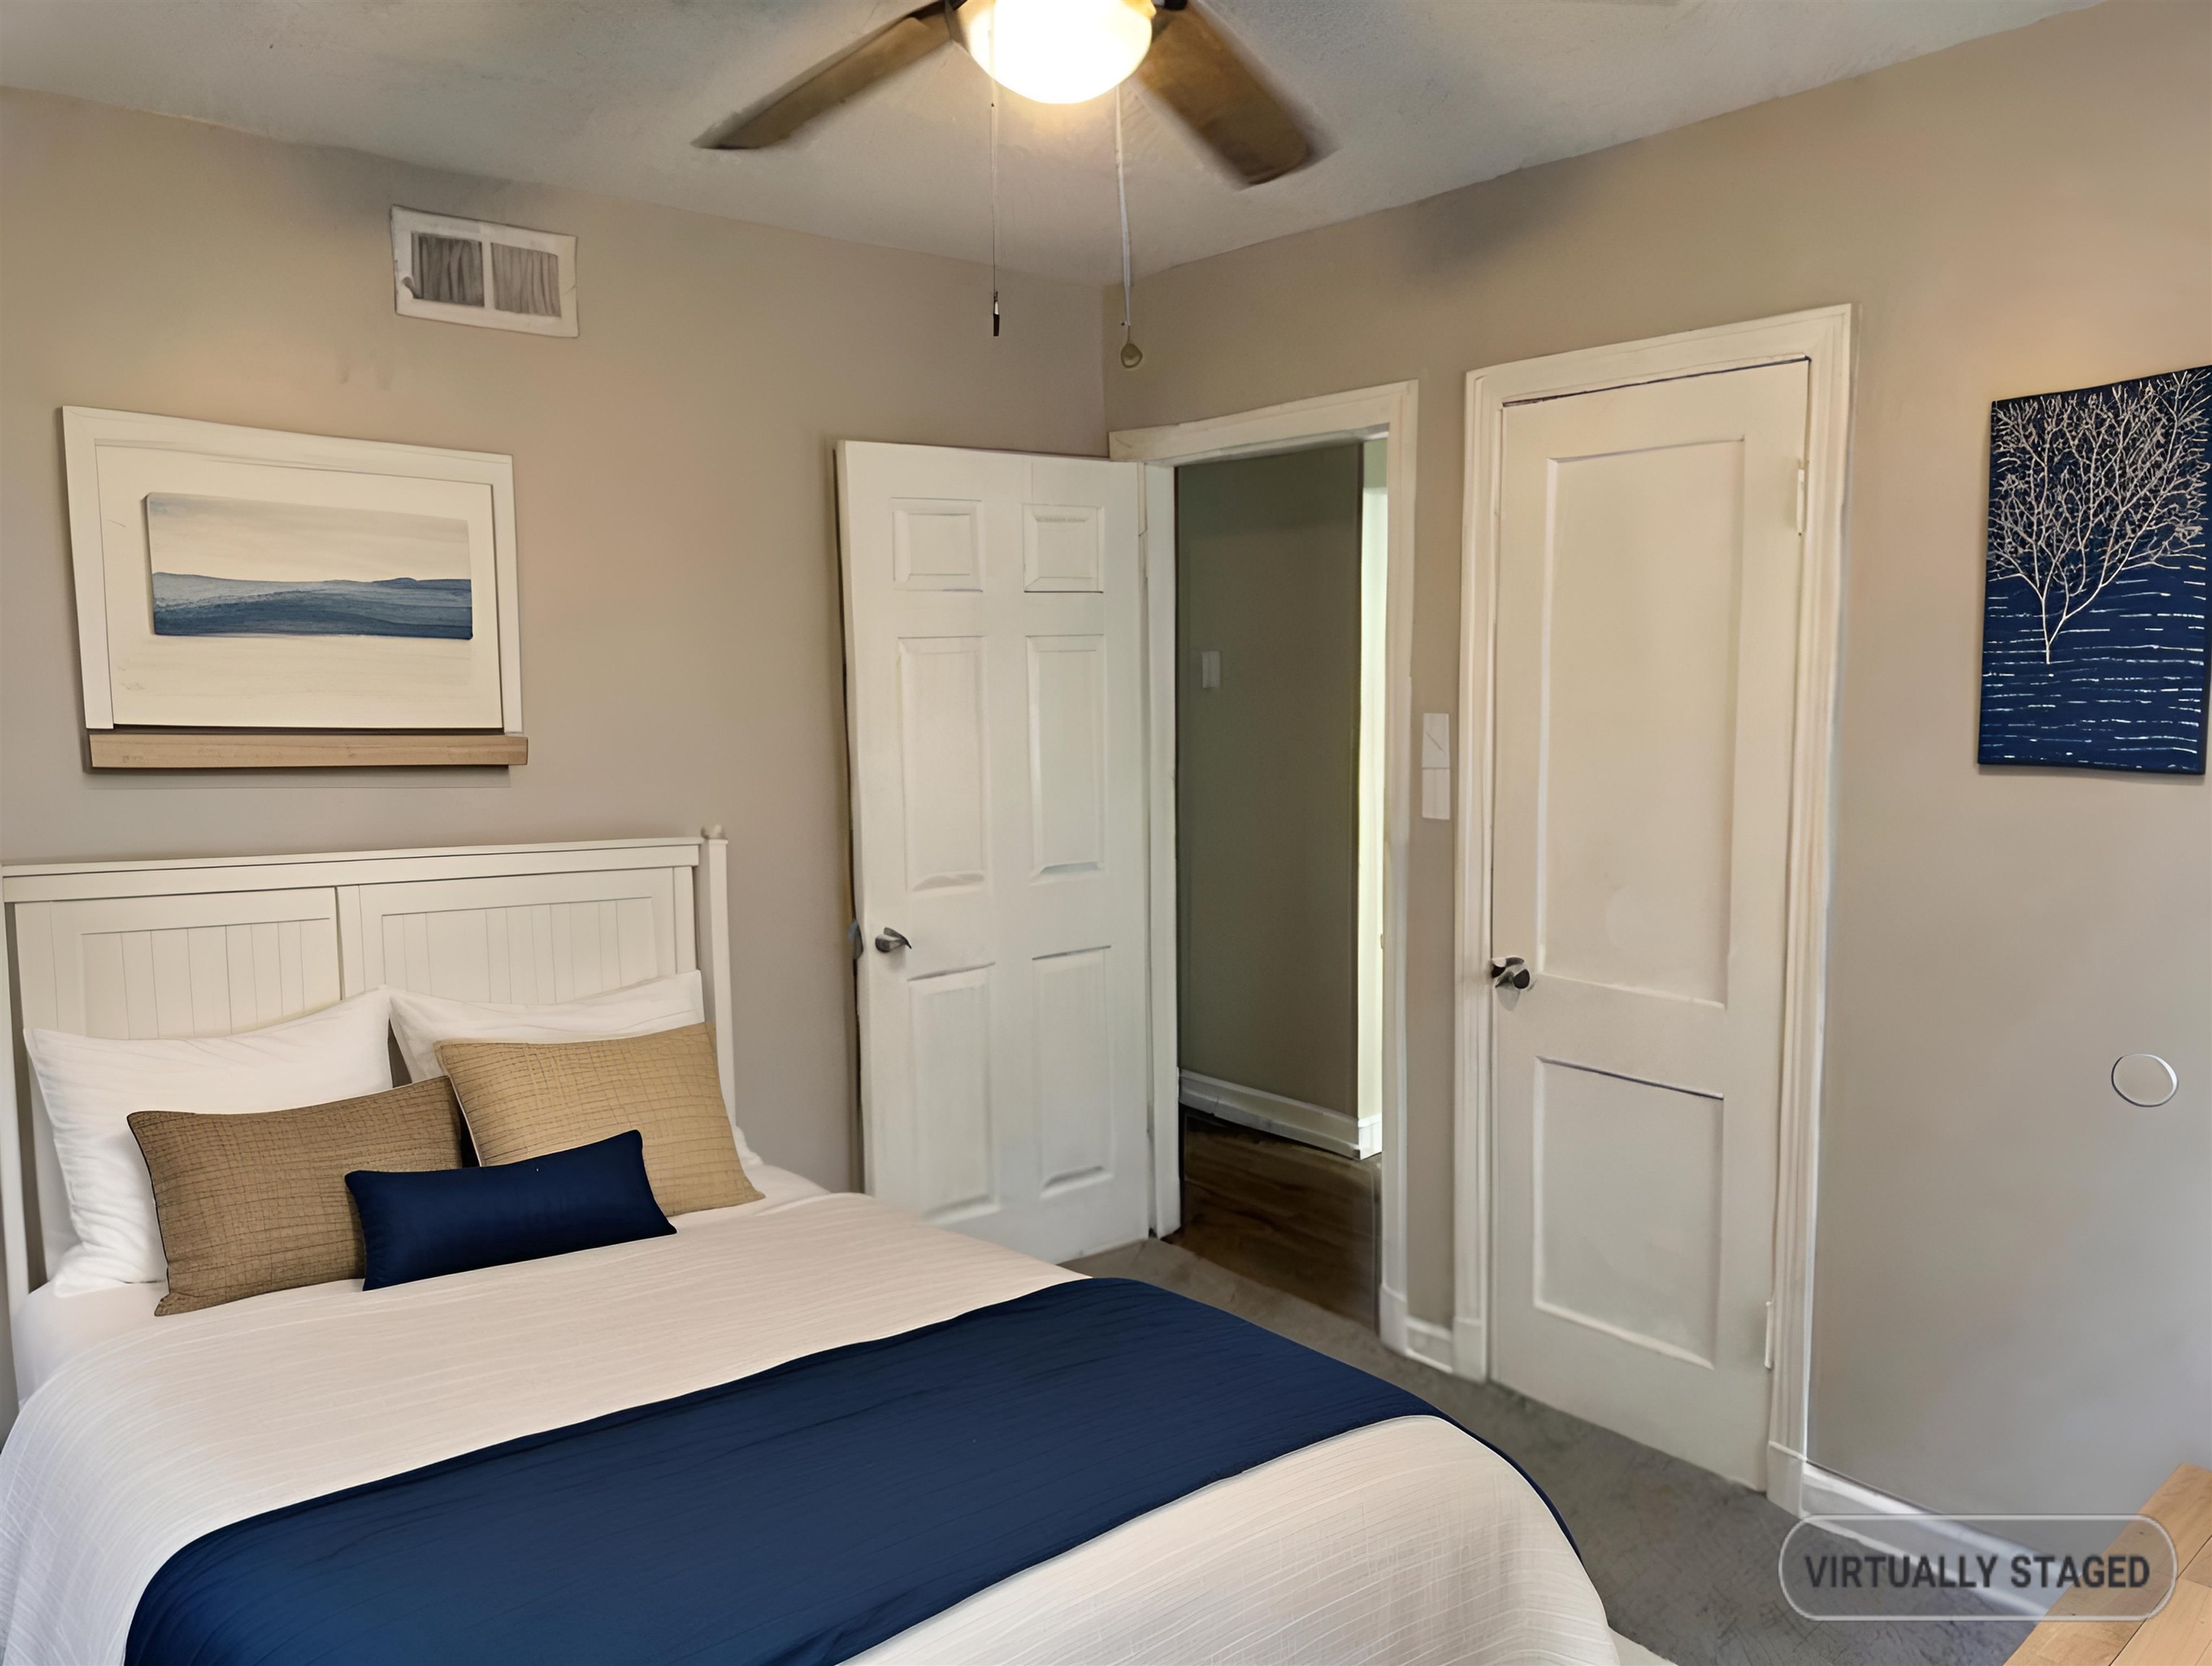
1195	71
826	86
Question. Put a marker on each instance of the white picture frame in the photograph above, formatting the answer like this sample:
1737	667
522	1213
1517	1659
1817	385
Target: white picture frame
324	537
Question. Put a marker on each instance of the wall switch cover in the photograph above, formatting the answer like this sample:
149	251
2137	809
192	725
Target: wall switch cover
1436	795
1436	766
1435	740
1209	668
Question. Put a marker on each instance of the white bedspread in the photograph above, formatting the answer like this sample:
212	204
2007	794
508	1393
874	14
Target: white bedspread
1406	1541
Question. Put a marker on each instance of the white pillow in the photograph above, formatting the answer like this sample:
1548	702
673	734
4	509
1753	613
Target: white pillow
91	1084
420	1022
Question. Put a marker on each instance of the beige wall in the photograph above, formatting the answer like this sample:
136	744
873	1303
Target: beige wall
2012	1308
1267	772
683	662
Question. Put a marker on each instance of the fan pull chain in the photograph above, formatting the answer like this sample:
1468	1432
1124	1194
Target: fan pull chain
1132	355
995	189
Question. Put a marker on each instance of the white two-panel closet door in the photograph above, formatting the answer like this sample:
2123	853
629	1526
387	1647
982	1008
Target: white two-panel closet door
994	640
1648	580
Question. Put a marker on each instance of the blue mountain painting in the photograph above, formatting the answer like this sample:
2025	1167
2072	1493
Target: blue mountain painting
2094	618
193	605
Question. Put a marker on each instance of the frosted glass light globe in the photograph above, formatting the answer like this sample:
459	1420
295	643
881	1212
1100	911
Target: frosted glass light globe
1057	52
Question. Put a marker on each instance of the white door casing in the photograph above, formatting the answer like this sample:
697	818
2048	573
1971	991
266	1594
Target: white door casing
1390	412
994	667
1649	566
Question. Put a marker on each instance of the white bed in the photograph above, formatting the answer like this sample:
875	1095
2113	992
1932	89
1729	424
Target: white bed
1406	1540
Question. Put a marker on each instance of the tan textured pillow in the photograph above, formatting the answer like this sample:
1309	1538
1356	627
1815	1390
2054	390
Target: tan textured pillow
258	1200
526	1099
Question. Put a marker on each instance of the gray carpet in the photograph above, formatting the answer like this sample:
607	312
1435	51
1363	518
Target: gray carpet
1684	1561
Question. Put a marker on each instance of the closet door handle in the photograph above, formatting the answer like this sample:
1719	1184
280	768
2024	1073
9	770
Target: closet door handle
1511	973
891	938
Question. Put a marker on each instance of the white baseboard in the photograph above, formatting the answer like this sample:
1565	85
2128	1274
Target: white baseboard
1823	1493
1470	1350
1446	1348
1429	1344
1274	1112
1390	1319
1785	1478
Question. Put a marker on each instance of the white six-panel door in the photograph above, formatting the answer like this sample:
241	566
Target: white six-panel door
994	618
1649	566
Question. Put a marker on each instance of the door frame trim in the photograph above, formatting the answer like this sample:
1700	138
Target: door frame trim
1389	411
1824	338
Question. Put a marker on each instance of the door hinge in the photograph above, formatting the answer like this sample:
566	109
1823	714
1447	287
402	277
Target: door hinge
1800	500
1768	1349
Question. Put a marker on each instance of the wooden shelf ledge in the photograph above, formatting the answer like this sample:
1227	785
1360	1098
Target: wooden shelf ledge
249	749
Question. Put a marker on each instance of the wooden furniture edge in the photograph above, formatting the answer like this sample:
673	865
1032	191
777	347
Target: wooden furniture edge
245	749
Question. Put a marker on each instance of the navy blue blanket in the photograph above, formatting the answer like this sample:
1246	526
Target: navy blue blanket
800	1515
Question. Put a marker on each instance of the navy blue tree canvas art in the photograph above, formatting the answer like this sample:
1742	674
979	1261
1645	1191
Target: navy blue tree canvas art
237	567
2093	628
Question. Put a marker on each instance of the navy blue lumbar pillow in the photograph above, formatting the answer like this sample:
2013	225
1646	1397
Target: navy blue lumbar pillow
423	1225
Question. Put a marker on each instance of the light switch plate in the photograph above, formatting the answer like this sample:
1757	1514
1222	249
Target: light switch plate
1436	795
1209	668
1435	740
1436	766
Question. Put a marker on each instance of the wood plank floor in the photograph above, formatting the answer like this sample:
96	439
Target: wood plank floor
1289	1216
2180	1634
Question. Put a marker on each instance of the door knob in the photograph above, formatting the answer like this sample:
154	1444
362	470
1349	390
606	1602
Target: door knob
1511	973
891	938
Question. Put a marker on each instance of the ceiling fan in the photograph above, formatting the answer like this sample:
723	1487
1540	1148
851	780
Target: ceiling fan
1059	52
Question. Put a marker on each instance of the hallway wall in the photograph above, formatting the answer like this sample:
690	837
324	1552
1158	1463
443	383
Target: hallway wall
1267	553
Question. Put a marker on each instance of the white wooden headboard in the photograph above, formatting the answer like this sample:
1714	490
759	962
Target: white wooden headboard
206	948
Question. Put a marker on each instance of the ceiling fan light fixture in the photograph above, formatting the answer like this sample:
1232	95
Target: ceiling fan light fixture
1057	52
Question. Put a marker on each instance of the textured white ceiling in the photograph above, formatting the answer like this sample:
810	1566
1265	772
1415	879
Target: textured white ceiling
1413	97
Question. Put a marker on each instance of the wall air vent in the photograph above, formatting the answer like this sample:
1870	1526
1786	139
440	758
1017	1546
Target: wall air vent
469	272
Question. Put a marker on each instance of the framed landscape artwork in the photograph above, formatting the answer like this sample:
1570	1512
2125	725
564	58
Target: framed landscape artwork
235	578
2095	611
